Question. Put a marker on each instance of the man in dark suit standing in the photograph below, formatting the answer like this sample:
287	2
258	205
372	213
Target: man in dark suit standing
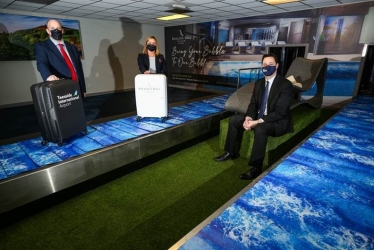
268	114
56	59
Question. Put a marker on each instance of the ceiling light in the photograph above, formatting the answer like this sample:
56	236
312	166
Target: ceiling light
172	17
178	11
46	2
275	2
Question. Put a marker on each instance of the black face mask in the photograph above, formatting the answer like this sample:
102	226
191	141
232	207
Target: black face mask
151	47
56	34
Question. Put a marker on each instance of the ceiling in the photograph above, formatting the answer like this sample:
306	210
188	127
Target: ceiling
145	11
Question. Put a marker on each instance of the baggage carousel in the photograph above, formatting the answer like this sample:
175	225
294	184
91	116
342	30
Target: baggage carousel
30	171
319	196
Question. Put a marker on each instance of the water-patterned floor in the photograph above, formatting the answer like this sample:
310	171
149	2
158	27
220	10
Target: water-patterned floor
29	155
320	197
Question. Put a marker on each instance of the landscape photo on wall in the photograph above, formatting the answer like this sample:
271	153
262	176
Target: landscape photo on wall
19	33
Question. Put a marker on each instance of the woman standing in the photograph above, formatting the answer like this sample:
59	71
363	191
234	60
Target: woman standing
151	61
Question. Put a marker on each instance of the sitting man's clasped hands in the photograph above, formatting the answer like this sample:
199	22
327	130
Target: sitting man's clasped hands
248	123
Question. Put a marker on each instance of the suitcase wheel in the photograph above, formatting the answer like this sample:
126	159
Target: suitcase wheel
86	131
44	143
138	118
163	119
59	144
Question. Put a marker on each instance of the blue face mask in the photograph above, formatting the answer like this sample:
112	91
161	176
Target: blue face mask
269	70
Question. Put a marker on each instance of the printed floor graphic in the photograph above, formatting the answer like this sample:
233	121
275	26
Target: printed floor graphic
320	197
28	155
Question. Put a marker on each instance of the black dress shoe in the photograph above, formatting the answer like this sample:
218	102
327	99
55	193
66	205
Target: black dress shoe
226	156
251	174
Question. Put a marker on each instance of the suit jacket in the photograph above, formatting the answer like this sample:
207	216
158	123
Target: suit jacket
278	106
143	63
50	61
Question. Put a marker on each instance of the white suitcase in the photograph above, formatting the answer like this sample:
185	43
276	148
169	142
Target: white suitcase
151	96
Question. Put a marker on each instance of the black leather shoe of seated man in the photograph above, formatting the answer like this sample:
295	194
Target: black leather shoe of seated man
226	156
251	174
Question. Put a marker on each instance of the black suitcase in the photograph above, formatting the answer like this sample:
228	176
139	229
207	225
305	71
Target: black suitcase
59	109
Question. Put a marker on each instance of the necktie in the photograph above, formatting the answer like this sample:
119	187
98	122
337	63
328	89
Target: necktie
68	62
264	101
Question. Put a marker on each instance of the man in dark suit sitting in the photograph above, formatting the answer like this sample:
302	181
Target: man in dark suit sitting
268	114
56	59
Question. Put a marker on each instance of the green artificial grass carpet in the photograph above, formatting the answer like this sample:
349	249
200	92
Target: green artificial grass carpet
151	208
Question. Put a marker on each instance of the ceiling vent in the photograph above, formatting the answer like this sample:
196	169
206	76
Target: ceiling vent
179	9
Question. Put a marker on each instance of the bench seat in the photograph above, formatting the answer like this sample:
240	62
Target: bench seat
304	118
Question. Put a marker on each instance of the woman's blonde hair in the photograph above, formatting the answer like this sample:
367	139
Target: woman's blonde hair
145	50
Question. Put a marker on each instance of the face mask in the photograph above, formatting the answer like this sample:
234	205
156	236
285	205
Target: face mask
56	34
269	70
151	47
